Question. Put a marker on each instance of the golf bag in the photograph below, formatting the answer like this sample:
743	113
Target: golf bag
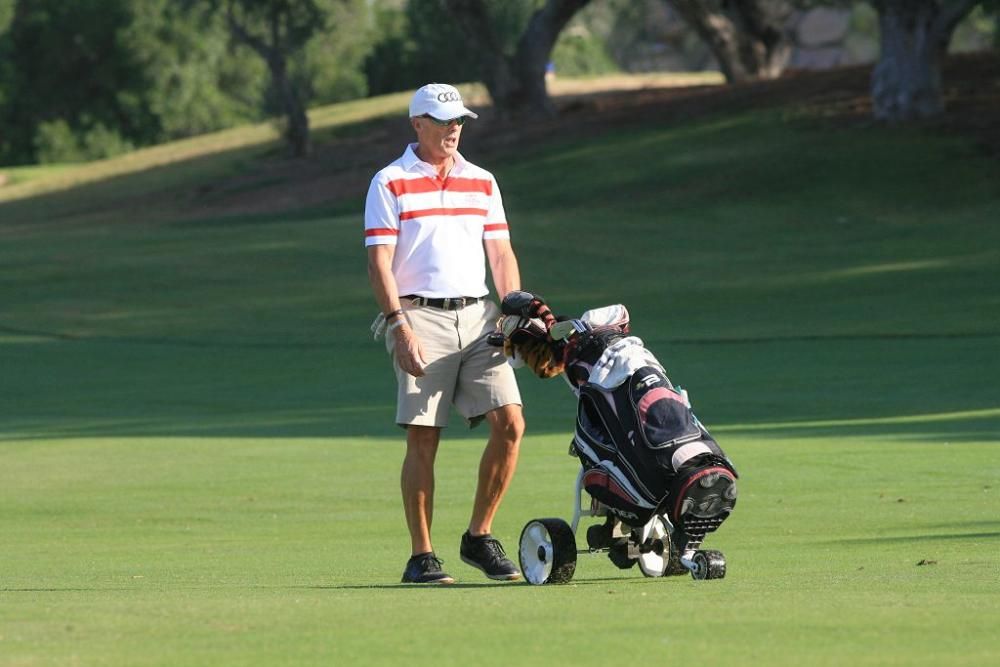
643	451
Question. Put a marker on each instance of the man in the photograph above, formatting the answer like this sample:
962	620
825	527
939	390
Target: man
432	220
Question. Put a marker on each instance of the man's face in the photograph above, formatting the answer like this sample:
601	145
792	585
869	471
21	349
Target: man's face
437	142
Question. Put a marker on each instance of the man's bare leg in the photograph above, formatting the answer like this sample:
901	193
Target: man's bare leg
496	468
417	483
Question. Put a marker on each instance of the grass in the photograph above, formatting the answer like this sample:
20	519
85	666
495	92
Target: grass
197	464
234	551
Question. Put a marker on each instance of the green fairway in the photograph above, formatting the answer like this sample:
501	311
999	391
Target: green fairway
198	464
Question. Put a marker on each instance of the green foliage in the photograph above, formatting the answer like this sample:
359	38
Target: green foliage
420	43
416	44
56	141
979	31
283	24
331	66
119	73
66	61
196	81
6	14
577	53
73	74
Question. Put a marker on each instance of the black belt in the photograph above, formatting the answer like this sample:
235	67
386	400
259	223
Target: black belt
453	303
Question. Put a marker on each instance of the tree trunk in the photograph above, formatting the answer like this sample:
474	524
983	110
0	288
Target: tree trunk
747	37
914	34
534	51
496	68
296	118
516	84
273	51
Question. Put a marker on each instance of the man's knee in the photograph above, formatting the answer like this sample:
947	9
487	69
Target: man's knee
508	423
422	441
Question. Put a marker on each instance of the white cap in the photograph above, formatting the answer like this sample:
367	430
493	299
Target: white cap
440	100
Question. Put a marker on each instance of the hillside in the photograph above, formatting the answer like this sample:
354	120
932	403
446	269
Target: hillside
340	169
258	180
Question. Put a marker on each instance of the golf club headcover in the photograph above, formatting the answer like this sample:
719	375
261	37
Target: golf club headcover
536	353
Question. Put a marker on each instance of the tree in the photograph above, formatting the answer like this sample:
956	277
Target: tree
197	81
906	80
67	76
331	66
420	43
6	74
516	82
747	37
276	30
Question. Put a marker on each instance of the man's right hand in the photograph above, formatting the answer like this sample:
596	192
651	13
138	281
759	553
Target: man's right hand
409	354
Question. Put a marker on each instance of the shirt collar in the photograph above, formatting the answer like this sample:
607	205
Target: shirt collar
411	161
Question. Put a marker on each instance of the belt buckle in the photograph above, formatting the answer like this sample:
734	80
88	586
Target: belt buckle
455	303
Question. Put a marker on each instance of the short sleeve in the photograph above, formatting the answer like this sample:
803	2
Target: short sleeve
381	213
496	218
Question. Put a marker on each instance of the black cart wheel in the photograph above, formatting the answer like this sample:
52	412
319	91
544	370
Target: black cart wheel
708	565
547	552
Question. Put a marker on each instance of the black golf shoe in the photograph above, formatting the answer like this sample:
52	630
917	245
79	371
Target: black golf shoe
486	553
425	569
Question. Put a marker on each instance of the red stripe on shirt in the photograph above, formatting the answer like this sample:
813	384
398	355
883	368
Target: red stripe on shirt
469	185
412	186
381	232
409	215
496	228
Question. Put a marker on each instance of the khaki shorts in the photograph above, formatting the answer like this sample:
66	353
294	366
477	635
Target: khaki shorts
460	367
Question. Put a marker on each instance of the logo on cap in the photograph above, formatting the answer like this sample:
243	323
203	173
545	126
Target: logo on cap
451	96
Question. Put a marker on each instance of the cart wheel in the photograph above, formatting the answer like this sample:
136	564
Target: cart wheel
547	552
708	565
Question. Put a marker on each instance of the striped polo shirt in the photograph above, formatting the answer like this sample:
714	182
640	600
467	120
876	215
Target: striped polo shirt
437	225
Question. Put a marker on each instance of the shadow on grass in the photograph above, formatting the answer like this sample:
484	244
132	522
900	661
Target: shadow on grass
459	585
117	195
161	182
114	388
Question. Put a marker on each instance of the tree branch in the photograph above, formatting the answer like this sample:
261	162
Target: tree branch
544	28
242	34
952	13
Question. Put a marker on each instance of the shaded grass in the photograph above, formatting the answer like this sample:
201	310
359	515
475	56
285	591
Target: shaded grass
121	387
791	232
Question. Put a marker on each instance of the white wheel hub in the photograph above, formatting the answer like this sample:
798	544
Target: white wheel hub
536	553
654	563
